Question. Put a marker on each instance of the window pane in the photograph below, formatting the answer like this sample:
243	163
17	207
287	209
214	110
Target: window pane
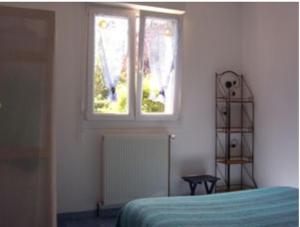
158	82
111	65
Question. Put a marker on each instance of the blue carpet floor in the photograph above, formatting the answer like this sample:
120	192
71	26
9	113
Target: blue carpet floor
89	222
105	218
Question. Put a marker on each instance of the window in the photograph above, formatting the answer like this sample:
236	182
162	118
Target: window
133	65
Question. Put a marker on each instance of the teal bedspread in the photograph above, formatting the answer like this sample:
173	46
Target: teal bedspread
277	206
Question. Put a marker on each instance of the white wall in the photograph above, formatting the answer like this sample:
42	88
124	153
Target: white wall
270	64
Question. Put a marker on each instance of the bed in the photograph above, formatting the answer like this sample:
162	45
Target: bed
276	206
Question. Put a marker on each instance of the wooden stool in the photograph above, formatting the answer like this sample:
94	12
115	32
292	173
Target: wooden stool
194	180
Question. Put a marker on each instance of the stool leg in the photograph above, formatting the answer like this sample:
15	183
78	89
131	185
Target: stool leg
209	190
193	187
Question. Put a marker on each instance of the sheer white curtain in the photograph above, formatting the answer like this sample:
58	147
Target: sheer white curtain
161	41
112	49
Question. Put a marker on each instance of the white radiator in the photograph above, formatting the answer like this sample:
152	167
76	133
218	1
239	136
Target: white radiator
134	166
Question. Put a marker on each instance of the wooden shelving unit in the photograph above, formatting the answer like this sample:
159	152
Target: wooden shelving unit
234	143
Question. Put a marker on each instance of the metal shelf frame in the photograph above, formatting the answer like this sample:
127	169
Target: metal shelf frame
234	132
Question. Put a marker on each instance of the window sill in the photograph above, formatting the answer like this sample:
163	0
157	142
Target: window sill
109	117
115	122
126	117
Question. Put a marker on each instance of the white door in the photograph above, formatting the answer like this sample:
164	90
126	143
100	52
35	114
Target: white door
26	56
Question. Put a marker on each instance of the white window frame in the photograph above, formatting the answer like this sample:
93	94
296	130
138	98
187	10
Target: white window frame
131	49
177	87
135	89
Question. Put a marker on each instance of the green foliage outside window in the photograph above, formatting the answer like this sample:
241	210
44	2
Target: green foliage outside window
148	105
103	105
101	102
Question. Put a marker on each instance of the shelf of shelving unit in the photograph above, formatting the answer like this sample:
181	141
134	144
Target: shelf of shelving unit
233	161
234	187
234	132
245	157
235	100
